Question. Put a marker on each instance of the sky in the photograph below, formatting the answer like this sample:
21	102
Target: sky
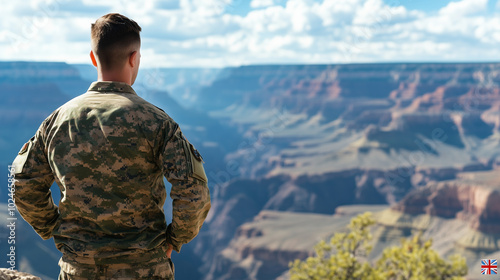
219	33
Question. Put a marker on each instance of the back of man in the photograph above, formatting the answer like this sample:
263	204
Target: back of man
108	150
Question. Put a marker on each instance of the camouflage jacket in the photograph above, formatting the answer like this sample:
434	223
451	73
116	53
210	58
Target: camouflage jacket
108	150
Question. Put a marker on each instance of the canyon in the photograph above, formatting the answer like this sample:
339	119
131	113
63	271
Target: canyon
293	152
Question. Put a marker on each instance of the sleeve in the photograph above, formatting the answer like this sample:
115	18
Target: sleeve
183	166
33	178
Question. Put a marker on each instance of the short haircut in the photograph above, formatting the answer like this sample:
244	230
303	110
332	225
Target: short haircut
114	37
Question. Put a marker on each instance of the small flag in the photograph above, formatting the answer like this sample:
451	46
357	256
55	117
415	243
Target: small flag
489	266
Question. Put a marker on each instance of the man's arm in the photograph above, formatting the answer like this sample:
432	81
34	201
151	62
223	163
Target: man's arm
32	187
191	198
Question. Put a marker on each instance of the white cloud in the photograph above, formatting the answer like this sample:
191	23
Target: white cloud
261	3
464	8
271	20
203	32
375	12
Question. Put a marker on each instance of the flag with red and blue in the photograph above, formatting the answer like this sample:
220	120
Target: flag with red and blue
489	266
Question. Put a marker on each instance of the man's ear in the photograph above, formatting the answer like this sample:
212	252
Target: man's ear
92	57
131	59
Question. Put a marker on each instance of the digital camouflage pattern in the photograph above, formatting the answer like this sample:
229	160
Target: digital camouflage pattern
155	269
7	274
108	150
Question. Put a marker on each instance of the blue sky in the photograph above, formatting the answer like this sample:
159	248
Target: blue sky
218	33
430	5
422	5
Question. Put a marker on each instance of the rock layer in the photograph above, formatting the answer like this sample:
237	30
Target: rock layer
473	197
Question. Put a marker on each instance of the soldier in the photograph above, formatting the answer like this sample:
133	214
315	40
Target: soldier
108	150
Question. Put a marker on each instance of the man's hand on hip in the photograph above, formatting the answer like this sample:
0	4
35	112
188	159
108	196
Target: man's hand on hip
169	251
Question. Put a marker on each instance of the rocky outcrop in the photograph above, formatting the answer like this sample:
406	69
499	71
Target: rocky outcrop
264	247
6	274
239	201
471	197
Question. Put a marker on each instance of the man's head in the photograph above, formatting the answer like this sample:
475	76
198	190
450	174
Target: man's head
116	44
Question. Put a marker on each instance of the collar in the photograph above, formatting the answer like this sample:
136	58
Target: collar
111	87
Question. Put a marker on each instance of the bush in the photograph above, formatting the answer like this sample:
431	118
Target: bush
344	257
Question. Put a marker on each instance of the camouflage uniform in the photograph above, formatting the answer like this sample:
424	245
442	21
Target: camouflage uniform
108	151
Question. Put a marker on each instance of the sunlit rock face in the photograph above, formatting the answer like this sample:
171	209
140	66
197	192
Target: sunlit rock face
472	197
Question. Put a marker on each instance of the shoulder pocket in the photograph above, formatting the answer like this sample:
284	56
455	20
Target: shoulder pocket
22	156
196	162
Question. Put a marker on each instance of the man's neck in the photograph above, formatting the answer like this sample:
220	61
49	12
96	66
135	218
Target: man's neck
114	77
